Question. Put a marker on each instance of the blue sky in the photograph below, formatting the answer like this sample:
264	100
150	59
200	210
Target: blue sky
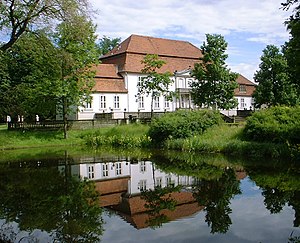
248	26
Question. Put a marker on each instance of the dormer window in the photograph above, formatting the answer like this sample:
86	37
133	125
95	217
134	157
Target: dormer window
242	88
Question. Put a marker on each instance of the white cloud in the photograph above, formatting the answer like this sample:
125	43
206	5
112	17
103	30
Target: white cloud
193	17
249	25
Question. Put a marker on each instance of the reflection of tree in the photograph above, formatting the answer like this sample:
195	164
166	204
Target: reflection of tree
280	186
275	199
216	196
158	200
43	198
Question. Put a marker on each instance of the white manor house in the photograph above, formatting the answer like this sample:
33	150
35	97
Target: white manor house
120	71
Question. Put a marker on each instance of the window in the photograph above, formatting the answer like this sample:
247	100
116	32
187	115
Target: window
158	182
143	166
91	174
181	83
118	168
169	181
102	102
88	105
140	82
156	102
116	102
242	88
142	185
167	103
105	170
141	103
243	103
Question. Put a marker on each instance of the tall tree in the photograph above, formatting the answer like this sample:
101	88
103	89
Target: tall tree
31	71
154	84
274	86
214	82
18	17
106	44
75	40
292	47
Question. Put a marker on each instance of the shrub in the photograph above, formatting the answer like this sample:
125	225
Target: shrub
276	124
182	124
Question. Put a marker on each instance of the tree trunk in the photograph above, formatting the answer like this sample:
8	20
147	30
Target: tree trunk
65	118
151	106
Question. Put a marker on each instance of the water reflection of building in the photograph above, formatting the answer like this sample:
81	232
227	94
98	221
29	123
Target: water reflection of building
120	183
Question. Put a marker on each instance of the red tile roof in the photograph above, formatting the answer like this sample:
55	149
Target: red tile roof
107	79
242	80
151	45
106	70
105	85
178	55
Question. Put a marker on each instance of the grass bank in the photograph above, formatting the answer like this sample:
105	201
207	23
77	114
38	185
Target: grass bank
229	140
217	139
29	139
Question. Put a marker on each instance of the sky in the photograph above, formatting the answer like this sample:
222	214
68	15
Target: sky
248	26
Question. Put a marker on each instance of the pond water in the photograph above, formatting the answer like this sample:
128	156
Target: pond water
146	196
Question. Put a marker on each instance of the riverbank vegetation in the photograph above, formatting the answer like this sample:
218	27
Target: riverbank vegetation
185	131
269	133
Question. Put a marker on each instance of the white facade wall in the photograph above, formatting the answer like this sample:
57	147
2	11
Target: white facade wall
129	102
245	103
143	175
104	103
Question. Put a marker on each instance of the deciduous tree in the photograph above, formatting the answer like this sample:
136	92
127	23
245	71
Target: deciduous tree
292	47
106	44
75	40
274	86
214	82
18	17
154	84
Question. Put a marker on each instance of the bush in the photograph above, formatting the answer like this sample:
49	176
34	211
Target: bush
276	124
182	124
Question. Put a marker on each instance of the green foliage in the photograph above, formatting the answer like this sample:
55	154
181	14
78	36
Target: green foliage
47	199
292	47
31	73
106	44
128	136
19	17
274	86
215	195
182	124
214	83
154	84
276	124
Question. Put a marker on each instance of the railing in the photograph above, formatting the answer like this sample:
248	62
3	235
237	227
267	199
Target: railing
45	125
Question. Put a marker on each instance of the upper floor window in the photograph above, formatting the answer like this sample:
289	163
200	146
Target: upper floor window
102	102
181	83
143	166
116	102
242	88
243	103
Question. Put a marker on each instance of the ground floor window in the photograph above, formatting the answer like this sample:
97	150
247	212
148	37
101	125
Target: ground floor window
116	102
141	102
156	102
102	102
